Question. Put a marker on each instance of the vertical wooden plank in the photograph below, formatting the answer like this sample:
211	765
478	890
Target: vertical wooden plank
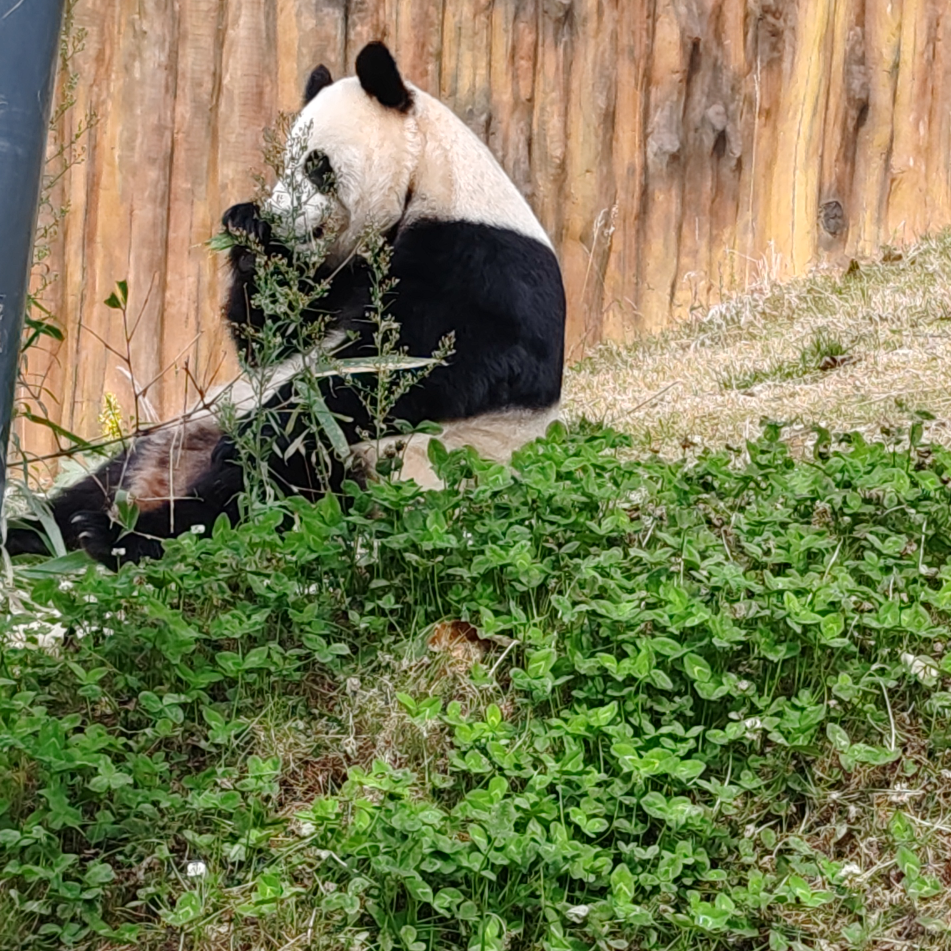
705	121
450	43
309	32
248	97
129	211
418	41
728	151
770	43
549	118
288	52
514	43
365	22
939	144
883	25
87	358
470	38
794	198
907	199
590	211
194	338
148	109
323	32
621	318
95	65
846	112
659	225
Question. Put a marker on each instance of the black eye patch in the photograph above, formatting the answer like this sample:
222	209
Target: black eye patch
319	172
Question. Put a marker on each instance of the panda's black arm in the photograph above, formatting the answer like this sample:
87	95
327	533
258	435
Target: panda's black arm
244	221
347	294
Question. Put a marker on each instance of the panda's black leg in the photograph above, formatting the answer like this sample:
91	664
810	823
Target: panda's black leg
93	494
102	539
214	493
26	540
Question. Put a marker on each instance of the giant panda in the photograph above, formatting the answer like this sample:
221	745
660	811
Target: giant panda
469	258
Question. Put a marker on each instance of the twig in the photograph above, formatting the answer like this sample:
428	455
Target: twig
891	718
650	399
113	350
174	360
145	304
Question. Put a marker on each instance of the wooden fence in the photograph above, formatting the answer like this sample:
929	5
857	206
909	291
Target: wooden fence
669	146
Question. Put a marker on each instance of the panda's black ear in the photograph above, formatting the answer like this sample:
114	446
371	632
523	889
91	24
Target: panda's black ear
317	80
377	72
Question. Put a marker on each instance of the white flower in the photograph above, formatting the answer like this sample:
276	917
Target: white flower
116	553
899	793
924	668
196	869
197	529
577	913
753	726
850	870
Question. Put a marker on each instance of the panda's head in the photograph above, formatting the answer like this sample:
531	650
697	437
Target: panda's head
351	154
372	151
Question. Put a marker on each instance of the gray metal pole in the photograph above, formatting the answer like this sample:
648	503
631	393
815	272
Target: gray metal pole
29	39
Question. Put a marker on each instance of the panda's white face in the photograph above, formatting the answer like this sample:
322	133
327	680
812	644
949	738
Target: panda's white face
350	161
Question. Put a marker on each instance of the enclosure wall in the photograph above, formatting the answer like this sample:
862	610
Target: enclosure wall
673	148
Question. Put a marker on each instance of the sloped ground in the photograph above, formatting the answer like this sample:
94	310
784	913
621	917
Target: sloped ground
863	350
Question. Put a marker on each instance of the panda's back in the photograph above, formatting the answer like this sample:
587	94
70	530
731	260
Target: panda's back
459	179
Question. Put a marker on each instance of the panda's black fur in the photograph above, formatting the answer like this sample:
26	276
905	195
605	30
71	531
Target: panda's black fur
497	290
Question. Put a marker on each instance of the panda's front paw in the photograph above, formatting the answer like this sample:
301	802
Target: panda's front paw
245	220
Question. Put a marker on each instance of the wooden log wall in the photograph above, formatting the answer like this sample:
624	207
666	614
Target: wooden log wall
669	146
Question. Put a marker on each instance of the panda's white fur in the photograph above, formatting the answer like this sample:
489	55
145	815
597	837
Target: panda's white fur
494	436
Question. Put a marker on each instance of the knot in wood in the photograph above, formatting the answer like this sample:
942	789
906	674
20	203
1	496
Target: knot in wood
832	217
557	9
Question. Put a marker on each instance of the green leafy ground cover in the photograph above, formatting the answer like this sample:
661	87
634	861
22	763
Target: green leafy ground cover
707	707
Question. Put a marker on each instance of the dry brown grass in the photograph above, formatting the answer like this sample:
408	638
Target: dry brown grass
861	350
